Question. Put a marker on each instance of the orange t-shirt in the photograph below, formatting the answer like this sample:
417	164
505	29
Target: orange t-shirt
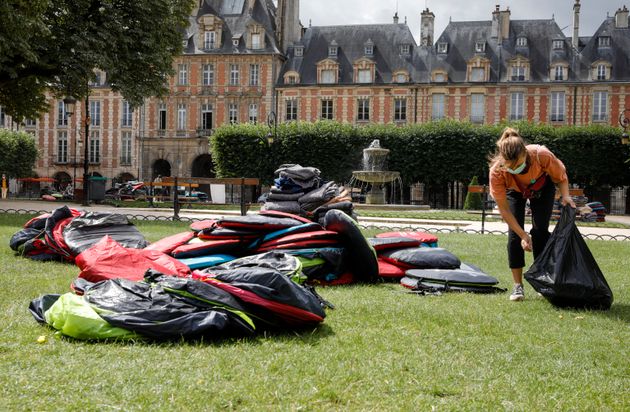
539	160
4	182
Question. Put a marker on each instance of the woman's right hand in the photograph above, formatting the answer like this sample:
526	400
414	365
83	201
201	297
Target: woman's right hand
526	242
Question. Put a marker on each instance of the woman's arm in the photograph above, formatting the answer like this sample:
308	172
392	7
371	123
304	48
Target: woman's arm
564	192
506	214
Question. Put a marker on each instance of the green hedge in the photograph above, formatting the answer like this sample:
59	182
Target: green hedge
433	153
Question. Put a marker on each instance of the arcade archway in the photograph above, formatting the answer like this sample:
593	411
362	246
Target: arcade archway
203	166
161	167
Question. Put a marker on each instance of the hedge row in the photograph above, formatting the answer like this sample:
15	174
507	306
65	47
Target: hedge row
433	153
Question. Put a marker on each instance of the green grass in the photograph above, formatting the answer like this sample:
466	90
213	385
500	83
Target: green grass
380	349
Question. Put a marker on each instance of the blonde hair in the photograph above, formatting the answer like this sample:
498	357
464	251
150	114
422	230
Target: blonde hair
510	146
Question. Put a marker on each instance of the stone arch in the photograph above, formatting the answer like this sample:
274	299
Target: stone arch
160	167
203	166
62	179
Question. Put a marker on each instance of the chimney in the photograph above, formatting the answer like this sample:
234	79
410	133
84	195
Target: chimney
427	25
288	27
396	18
621	18
575	41
505	23
495	22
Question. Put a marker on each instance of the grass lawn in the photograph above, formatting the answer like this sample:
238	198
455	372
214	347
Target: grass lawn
380	349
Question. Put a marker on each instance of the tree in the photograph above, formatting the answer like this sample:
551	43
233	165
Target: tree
473	200
18	153
56	45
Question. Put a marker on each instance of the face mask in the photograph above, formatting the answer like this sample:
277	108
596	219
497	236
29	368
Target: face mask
518	170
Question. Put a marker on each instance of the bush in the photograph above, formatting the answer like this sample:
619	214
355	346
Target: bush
433	153
19	153
473	200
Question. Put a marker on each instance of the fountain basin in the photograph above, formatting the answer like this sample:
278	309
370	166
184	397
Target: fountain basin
375	176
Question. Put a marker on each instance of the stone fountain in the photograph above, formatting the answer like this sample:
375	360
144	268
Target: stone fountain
375	179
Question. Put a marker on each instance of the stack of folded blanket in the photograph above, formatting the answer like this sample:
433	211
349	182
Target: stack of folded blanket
301	191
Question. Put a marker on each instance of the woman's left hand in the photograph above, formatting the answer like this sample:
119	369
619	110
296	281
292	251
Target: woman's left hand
567	200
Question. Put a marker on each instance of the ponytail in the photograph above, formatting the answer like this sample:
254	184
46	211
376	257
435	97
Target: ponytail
510	146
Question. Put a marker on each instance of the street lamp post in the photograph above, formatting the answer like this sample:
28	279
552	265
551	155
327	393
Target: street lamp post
86	152
272	122
69	104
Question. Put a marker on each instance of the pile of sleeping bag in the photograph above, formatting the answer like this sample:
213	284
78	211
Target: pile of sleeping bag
416	259
65	233
300	191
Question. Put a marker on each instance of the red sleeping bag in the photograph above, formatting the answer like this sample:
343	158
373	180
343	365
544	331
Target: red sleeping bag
170	243
421	236
107	259
389	270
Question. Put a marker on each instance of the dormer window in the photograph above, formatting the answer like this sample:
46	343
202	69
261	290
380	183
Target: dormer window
558	73
333	49
404	49
401	77
477	74
603	41
480	47
291	77
601	70
364	76
209	40
558	44
256	41
299	51
442	48
521	42
328	77
369	48
439	76
518	74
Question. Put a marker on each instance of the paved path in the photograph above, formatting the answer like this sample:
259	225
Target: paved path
423	224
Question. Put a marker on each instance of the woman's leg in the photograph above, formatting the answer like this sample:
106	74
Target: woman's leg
542	207
516	254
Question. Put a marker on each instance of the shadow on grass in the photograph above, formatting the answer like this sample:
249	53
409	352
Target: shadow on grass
618	311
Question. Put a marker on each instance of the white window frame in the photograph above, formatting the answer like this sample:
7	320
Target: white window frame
235	75
95	113
233	113
363	109
207	116
127	115
518	73
207	76
557	106
254	75
291	110
369	50
256	41
400	109
480	47
95	147
125	148
405	49
603	41
328	76
162	117
559	73
438	106
600	106
209	40
602	72
182	116
182	74
62	147
327	111
477	107
364	76
475	72
442	48
557	44
521	41
62	116
517	106
253	113
299	51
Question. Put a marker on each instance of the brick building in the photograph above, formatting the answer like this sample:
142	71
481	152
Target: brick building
243	60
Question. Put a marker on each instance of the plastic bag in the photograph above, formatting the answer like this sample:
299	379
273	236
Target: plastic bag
566	273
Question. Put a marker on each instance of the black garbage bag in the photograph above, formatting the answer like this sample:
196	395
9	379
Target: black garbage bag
566	273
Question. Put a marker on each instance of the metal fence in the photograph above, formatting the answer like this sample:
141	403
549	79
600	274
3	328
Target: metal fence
364	227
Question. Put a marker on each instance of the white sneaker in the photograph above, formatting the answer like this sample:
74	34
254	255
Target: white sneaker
518	294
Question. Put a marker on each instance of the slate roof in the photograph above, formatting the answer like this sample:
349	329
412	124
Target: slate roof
618	55
462	37
236	19
351	40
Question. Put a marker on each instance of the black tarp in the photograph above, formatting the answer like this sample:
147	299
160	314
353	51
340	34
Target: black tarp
84	231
